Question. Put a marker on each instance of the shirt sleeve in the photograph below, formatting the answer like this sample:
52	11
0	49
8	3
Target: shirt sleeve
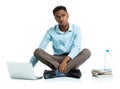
46	39
76	46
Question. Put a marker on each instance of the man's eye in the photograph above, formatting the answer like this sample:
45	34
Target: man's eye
63	15
57	17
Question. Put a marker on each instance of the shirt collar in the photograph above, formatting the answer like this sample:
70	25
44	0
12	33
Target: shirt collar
60	32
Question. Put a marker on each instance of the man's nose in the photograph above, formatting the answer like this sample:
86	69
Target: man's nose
61	18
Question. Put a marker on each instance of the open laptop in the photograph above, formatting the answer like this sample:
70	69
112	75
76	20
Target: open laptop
18	70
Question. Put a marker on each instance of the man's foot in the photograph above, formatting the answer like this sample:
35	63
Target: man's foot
49	74
75	73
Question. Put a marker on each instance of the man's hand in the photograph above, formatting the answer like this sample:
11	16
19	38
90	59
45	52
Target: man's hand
62	66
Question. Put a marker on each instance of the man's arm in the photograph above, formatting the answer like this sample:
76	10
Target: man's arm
45	41
76	46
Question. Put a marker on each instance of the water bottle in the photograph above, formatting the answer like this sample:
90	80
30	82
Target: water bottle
107	60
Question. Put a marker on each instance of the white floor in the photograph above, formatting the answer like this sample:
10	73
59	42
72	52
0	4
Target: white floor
22	26
86	81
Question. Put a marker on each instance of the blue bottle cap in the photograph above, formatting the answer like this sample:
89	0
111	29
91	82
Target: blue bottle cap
107	50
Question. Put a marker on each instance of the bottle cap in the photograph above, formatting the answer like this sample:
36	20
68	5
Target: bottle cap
107	50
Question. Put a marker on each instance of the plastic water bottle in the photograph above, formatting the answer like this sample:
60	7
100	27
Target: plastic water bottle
107	60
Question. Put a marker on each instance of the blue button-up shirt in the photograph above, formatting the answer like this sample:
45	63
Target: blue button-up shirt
63	42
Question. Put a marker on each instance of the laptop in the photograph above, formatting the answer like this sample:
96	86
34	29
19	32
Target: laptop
18	70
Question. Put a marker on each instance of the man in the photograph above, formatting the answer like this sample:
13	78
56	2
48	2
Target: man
66	44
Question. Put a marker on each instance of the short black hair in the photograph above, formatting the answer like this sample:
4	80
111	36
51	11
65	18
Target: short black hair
59	8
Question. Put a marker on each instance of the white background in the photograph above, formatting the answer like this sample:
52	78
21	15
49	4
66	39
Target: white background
23	24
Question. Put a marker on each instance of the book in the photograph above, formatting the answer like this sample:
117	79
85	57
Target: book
102	73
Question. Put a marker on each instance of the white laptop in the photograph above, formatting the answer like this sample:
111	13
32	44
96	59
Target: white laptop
18	70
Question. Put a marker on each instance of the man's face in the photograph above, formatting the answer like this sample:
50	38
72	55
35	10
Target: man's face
61	17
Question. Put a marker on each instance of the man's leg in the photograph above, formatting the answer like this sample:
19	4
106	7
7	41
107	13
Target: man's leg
46	58
78	60
72	65
51	61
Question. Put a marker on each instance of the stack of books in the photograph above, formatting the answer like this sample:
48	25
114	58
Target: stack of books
102	73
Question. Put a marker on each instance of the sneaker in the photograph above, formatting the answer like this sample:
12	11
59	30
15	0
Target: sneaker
49	74
75	73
